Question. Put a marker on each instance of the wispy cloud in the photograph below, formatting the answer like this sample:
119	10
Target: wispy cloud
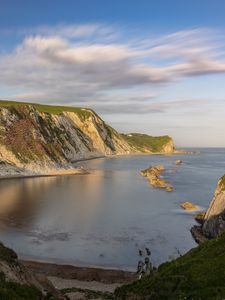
86	63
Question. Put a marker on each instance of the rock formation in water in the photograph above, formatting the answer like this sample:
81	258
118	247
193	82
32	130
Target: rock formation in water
38	138
189	206
178	162
213	223
153	175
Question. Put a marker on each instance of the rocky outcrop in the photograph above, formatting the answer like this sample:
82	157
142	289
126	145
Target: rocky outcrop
214	220
200	217
153	175
38	138
17	282
178	162
189	206
213	223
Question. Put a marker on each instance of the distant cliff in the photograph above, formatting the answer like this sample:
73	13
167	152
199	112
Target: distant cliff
147	143
35	137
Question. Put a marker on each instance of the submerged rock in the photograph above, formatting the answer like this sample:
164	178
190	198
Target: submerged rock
189	206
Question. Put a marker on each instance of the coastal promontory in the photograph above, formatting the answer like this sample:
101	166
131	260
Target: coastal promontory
40	139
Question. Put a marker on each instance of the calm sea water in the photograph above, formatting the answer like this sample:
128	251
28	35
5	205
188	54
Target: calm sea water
104	218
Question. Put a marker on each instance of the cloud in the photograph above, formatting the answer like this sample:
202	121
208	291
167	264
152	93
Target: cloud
93	63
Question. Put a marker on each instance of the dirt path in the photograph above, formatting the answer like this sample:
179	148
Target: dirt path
60	283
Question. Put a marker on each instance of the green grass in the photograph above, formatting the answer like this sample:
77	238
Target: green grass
51	109
198	275
222	182
144	141
89	294
8	255
15	291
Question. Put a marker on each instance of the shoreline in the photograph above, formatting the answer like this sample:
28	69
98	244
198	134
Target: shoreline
55	173
70	272
80	171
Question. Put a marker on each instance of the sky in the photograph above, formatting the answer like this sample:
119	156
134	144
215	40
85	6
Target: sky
156	67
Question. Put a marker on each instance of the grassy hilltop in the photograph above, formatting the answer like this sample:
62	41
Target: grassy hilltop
51	109
144	141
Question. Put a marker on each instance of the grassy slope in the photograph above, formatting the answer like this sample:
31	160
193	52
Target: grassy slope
198	275
222	182
13	290
52	109
143	141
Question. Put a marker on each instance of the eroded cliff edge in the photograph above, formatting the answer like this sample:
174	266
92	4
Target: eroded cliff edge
37	138
214	219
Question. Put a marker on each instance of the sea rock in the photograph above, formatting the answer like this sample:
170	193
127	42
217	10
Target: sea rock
189	206
200	217
178	162
169	189
153	175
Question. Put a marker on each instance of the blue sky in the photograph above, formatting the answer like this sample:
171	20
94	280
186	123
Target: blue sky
145	66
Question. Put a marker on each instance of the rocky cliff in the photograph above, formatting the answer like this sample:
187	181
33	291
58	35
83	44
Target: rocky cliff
214	220
36	137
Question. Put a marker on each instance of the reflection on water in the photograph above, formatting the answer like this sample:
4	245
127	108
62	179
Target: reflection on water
105	217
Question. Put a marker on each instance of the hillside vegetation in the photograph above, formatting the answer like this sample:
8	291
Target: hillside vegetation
51	109
17	283
147	142
198	275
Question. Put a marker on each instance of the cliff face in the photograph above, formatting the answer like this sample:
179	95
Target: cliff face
38	137
214	220
17	282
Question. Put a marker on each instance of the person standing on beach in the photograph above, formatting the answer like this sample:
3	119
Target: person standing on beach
140	269
148	266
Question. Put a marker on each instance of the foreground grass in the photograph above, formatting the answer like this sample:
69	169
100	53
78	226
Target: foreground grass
144	141
16	291
89	294
198	275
